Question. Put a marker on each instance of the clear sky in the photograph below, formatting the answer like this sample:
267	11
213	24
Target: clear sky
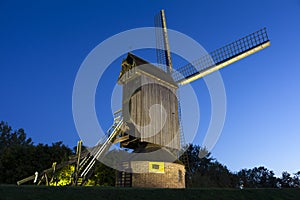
43	43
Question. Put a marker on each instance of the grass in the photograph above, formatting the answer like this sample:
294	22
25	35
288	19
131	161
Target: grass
12	192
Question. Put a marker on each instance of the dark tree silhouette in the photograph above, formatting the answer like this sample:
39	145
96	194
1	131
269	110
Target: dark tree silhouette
19	158
206	171
258	177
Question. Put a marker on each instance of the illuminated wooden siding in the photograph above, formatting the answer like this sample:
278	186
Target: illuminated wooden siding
143	88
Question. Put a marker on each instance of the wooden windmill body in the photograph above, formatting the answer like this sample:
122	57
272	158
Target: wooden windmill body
145	85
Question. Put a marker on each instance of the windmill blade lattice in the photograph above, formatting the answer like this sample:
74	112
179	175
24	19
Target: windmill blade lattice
160	48
163	53
222	57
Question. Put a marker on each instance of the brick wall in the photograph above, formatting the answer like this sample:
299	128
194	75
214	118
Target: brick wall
172	177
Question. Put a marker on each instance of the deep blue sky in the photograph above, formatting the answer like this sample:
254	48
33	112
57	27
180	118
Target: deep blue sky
43	43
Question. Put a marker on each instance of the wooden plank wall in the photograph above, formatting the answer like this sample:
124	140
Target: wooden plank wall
155	92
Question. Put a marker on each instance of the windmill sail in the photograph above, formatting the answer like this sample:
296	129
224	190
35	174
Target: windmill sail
163	53
222	57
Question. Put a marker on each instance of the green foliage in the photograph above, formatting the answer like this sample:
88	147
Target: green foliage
258	177
9	138
19	158
103	176
206	171
63	176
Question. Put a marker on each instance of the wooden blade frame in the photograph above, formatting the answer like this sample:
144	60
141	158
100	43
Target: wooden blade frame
222	57
163	53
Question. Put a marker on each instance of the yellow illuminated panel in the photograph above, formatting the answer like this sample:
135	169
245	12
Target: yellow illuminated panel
156	167
224	64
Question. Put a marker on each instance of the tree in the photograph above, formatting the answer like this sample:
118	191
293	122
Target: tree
102	176
14	149
19	158
286	180
206	171
258	177
9	138
296	180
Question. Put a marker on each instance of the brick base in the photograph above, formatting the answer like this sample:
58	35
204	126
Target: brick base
172	176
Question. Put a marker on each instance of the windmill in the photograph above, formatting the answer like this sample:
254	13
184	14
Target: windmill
150	97
145	85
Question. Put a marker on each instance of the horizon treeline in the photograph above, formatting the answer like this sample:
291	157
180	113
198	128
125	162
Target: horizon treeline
20	158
